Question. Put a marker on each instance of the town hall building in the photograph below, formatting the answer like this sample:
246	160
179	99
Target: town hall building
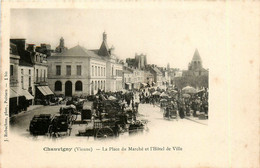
79	72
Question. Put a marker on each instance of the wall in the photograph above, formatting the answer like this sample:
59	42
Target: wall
98	71
53	61
26	84
14	61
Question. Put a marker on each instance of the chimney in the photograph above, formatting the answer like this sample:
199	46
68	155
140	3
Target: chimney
31	47
20	43
112	49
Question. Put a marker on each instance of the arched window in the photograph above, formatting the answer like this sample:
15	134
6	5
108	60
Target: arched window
92	88
101	84
58	86
95	85
78	86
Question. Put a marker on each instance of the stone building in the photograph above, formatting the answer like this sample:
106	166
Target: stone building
21	82
80	72
157	74
33	70
139	61
148	78
128	78
195	67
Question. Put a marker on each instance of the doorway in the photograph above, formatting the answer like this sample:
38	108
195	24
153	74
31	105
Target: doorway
68	88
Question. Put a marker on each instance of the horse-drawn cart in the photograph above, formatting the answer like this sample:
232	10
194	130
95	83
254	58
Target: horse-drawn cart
46	124
108	128
170	113
54	125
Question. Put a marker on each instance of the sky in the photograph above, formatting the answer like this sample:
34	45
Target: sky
164	35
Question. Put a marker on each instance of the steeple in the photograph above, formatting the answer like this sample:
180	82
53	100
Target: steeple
196	62
196	56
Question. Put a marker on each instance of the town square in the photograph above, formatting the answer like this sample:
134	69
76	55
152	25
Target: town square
63	92
129	83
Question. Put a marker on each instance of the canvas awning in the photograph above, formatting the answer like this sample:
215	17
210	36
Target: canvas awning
42	90
13	93
48	90
27	95
16	92
45	90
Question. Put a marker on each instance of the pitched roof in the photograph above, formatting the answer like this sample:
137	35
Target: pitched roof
104	50
78	51
130	70
156	70
25	63
196	56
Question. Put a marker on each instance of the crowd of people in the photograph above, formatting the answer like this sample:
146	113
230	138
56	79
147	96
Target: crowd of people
176	102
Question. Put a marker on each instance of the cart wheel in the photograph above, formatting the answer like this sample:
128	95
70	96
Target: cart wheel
103	133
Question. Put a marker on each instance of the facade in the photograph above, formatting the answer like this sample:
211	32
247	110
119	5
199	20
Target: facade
158	76
138	78
98	75
195	67
166	79
14	65
68	72
21	82
148	78
40	67
80	72
26	77
128	78
33	70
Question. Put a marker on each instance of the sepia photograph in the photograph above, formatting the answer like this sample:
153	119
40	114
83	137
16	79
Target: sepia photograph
129	84
77	72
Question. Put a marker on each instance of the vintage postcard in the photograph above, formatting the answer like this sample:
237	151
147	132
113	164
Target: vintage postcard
130	84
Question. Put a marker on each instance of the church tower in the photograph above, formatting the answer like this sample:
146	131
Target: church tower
196	62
